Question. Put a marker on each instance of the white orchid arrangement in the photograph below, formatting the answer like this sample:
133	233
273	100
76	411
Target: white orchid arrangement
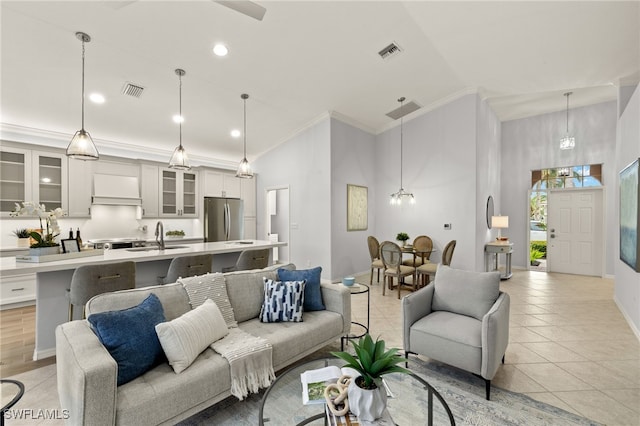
45	238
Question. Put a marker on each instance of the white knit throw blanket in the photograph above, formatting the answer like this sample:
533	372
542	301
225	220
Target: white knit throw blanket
250	358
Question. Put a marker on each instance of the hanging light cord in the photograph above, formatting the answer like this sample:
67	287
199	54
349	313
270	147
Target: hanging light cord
244	132
180	106
567	95
401	136
83	38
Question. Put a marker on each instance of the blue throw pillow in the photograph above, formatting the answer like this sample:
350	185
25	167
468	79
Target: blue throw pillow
312	293
130	337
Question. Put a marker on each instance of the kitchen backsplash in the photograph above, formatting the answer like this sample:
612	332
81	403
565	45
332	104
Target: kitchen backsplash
106	222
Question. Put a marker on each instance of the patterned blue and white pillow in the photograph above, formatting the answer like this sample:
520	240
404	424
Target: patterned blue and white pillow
283	301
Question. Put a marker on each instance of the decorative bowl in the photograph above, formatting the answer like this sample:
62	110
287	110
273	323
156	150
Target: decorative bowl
348	281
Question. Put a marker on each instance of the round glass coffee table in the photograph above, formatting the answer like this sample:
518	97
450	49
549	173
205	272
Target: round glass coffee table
413	400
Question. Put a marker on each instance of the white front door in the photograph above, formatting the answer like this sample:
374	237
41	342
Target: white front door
575	230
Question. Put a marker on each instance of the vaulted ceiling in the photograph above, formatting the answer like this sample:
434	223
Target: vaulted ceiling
304	59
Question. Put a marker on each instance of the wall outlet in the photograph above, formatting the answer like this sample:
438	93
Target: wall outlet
447	226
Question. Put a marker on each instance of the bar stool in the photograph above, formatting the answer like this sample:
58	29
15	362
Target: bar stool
250	259
188	266
90	280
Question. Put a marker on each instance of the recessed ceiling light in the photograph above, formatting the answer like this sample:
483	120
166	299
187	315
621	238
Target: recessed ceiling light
46	180
235	133
220	49
178	118
96	98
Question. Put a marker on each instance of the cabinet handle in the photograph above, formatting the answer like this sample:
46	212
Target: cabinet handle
89	210
18	289
143	213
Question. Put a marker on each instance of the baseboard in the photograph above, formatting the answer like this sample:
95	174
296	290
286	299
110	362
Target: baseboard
633	327
37	355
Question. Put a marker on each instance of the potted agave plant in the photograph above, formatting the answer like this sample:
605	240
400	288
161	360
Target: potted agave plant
367	395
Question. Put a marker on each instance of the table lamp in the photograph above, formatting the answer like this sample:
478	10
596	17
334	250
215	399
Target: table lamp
500	222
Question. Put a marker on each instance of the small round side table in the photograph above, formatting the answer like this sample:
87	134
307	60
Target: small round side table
358	289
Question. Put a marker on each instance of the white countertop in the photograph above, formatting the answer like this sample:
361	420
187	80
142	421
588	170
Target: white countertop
9	266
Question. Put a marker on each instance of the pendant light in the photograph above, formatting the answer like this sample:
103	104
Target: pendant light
568	141
244	168
179	159
397	197
81	146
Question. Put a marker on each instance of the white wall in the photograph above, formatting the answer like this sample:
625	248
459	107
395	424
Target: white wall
627	281
487	176
440	169
303	164
352	162
532	144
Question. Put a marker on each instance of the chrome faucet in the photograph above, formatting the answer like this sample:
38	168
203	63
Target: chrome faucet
160	235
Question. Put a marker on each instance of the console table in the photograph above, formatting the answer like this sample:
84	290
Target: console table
491	252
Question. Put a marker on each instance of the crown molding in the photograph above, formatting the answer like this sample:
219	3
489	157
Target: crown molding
53	139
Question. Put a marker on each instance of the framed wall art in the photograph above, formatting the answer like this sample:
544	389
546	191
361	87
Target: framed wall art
629	218
357	209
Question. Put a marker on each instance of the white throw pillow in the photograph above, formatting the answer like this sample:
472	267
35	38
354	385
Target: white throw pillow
184	338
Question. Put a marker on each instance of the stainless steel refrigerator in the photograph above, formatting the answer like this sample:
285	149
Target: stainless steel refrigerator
223	219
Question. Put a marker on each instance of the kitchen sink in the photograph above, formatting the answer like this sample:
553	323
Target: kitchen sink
155	248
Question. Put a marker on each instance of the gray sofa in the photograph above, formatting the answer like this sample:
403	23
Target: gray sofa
87	373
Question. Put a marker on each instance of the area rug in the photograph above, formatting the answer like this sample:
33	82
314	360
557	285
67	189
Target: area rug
463	392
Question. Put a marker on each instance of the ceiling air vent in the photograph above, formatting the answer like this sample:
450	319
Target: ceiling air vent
407	108
131	89
390	51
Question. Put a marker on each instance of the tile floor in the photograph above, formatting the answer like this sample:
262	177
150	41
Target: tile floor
569	345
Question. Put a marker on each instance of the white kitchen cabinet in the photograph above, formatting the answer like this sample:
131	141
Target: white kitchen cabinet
50	179
250	228
17	289
231	185
178	193
248	195
15	177
149	190
221	184
80	173
27	175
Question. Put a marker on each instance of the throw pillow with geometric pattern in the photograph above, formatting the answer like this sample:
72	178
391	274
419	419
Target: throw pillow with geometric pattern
283	301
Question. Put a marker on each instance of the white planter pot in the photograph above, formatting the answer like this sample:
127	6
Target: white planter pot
366	404
44	251
23	242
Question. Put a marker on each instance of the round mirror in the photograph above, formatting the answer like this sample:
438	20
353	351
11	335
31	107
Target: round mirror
489	210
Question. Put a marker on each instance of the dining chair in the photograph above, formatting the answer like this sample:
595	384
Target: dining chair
374	252
422	248
428	270
391	256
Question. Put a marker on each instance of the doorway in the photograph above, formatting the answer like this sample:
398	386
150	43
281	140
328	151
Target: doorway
575	229
277	221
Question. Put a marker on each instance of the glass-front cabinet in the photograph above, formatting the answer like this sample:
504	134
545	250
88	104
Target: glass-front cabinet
15	179
49	179
27	175
179	193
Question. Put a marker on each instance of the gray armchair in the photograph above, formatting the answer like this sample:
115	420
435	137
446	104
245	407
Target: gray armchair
461	319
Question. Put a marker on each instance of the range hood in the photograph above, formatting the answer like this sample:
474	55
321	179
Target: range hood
116	190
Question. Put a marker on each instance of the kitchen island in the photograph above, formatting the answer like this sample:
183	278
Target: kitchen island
54	278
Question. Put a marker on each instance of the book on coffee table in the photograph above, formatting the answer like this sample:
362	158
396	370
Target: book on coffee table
315	381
